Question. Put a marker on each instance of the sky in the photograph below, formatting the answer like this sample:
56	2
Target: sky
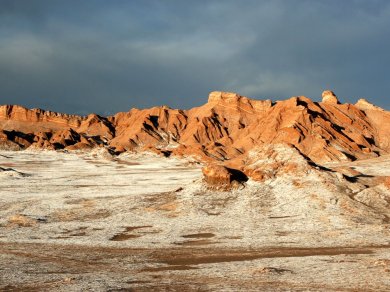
108	56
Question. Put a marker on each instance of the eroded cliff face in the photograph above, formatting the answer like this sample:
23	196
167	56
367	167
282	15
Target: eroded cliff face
22	128
223	131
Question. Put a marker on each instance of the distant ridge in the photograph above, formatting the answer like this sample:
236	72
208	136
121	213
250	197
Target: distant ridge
224	130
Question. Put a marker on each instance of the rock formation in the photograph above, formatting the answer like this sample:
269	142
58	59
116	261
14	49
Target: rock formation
222	177
328	96
229	130
23	128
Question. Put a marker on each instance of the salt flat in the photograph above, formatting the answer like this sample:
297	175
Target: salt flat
75	221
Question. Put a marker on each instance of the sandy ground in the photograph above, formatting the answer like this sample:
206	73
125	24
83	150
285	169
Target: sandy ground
72	222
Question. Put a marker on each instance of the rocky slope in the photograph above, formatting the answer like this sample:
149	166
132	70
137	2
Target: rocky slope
224	131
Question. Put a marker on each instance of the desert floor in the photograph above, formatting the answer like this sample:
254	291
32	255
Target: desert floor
89	221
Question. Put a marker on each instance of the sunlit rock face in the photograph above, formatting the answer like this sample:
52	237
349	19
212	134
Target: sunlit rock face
223	131
328	96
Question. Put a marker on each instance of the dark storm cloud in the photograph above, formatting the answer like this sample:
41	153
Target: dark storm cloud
108	56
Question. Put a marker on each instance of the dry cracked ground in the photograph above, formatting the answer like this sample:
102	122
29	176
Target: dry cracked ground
89	221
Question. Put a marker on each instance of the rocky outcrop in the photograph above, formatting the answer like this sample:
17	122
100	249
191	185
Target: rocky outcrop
274	160
18	118
347	171
222	177
37	128
328	96
227	130
364	105
217	175
379	119
6	143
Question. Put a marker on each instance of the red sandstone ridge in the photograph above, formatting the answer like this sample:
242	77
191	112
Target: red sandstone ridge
224	130
23	128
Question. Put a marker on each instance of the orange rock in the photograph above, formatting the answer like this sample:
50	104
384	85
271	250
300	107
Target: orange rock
6	143
347	171
328	96
217	175
3	136
363	104
222	177
259	174
65	137
387	182
95	125
79	146
224	130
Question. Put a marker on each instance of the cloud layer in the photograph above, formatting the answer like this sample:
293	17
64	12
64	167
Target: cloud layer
108	56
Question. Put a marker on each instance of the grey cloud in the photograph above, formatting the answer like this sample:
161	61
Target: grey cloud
109	56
